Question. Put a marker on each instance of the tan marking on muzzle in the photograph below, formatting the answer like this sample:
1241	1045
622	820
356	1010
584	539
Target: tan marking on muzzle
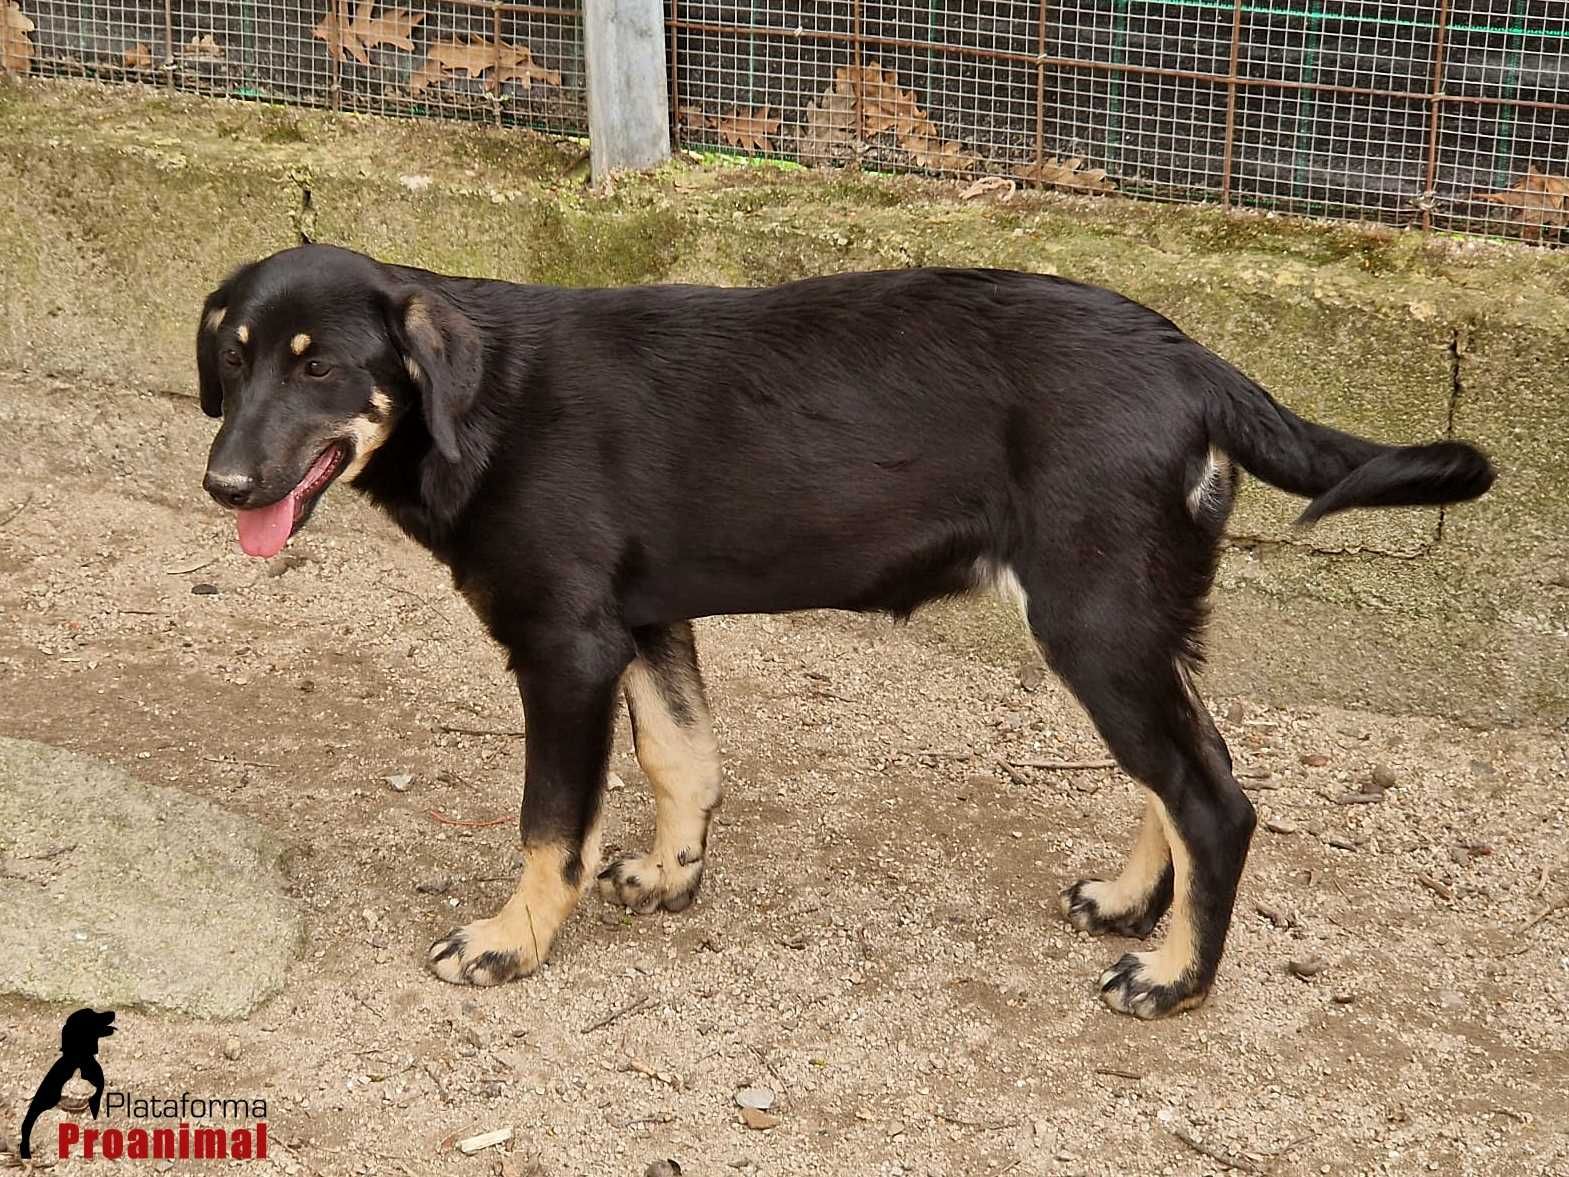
299	343
367	433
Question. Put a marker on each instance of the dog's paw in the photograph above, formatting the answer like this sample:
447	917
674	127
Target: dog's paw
1134	985
1089	906
647	883
481	953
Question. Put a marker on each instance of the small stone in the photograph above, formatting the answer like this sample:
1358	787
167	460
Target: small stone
1383	777
400	782
472	1037
1031	676
666	1168
1314	759
1237	712
1360	798
1306	967
1280	825
231	1049
204	589
1344	998
1451	999
758	1098
436	886
758	1121
1460	856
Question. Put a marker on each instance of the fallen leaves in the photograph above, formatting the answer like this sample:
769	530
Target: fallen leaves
1069	174
203	48
138	56
355	35
864	103
16	47
750	130
1538	201
478	56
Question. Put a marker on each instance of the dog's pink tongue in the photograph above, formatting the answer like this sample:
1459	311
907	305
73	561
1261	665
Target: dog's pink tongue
264	531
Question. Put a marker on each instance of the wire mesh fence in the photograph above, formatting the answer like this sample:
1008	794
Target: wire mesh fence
1443	114
507	63
1449	114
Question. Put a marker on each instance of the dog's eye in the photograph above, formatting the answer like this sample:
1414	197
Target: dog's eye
317	369
231	357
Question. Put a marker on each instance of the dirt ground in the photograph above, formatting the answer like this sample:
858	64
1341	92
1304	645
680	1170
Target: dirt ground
877	940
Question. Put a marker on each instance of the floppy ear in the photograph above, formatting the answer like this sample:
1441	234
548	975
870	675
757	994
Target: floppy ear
445	358
213	311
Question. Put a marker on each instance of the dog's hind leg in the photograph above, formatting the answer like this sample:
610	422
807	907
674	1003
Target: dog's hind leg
1122	650
674	737
568	681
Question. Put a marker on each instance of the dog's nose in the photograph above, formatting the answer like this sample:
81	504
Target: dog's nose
228	488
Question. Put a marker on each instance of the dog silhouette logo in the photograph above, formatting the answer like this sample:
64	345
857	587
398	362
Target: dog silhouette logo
79	1039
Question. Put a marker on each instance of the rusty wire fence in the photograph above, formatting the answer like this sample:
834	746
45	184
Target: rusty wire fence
1442	114
1447	114
515	64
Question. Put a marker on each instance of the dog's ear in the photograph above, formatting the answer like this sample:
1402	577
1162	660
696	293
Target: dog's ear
207	381
445	358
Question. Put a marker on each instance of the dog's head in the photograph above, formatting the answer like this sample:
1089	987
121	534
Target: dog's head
83	1029
313	357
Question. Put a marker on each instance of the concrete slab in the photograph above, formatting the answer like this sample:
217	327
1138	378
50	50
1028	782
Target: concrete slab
120	894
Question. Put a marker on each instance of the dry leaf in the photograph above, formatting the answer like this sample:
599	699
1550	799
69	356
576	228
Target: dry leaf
1029	676
829	132
1538	199
877	106
693	116
476	57
1068	173
203	48
357	34
748	130
16	47
138	56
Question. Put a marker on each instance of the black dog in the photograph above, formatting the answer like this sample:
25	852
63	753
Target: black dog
79	1039
597	467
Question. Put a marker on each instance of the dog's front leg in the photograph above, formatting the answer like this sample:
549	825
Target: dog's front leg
569	688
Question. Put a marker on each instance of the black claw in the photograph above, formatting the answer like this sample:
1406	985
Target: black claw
454	942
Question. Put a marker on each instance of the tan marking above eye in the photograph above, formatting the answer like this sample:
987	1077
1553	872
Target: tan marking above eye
215	318
243	333
299	343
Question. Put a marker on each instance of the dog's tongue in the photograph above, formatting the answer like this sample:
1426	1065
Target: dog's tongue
264	531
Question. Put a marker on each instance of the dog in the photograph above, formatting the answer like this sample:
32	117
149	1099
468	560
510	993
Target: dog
79	1039
597	468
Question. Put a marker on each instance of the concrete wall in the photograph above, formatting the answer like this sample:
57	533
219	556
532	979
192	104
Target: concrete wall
120	209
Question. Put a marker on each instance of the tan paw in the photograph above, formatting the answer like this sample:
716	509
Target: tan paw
482	953
647	883
1135	986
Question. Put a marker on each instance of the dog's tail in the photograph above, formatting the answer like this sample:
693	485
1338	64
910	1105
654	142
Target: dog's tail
1336	470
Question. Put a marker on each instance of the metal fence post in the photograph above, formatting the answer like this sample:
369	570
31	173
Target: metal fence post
628	103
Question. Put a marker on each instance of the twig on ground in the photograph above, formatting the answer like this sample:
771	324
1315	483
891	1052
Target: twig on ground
1256	785
762	1057
1119	1073
460	730
1014	774
1556	905
1442	890
477	823
1242	1164
380	1017
982	1125
636	1007
241	763
1064	765
186	569
944	754
17	510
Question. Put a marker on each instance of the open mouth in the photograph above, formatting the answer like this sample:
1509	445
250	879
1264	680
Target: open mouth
264	530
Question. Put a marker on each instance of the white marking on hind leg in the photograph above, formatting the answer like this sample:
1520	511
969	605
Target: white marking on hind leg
1206	492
